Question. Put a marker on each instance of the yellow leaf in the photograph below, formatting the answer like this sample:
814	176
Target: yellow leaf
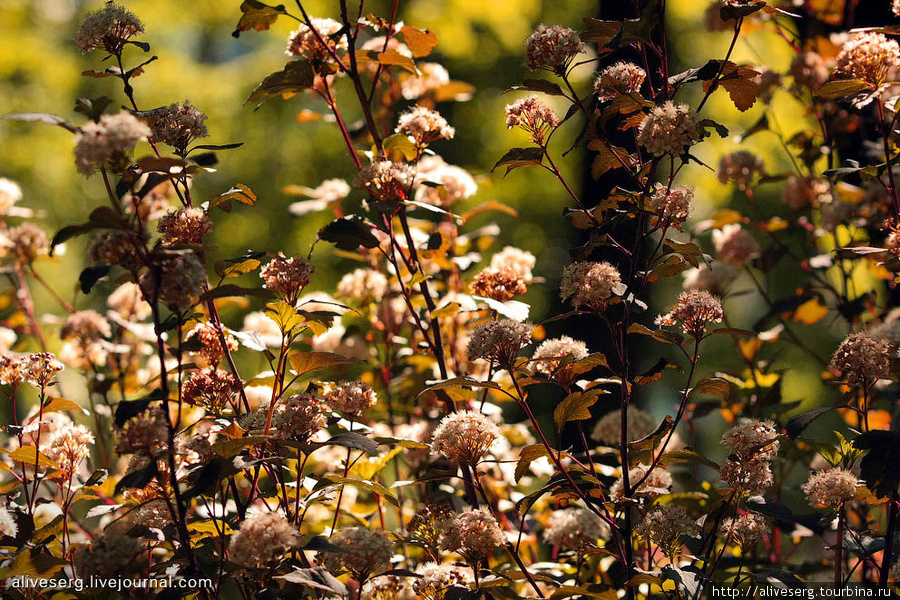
749	348
420	41
810	312
721	218
61	404
447	310
26	454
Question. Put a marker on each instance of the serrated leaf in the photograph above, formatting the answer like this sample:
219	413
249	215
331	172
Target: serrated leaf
520	157
526	457
31	456
371	486
879	465
230	448
463	381
402	144
257	16
841	89
349	233
687	457
712	385
240	193
420	41
353	440
308	362
296	76
575	408
62	404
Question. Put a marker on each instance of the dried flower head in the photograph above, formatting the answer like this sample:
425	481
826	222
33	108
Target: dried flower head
473	533
747	477
10	193
741	168
13	369
752	438
619	79
68	446
552	48
532	116
863	359
441	184
608	429
744	530
734	245
210	343
318	49
111	556
178	280
8	525
669	129
213	389
574	529
830	488
498	284
41	368
548	357
298	417
386	180
672	205
176	125
146	435
428	524
694	311
365	552
108	142
499	341
287	277
868	56
351	397
666	526
435	579
659	482
25	243
424	125
113	248
465	437
589	284
108	28
519	261
184	226
262	539
362	286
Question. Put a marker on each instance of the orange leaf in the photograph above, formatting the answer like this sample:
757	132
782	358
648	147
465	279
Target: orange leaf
810	312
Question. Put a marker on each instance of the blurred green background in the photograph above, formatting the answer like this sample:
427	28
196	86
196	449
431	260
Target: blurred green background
480	42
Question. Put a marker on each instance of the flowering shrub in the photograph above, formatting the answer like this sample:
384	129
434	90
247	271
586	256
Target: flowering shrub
385	442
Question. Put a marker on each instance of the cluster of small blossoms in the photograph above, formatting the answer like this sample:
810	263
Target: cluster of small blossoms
10	193
516	260
608	429
424	126
362	286
435	579
68	446
180	280
176	125
184	226
666	526
552	48
863	359
213	389
499	284
751	438
8	525
207	336
672	205
532	116
734	245
287	277
452	183
305	43
747	477
657	483
108	142
619	79
744	530
84	331
146	435
364	552
464	437
386	587
111	556
694	312
801	192
831	488
351	397
741	168
41	368
548	357
574	529
25	243
474	534
589	284
298	417
428	524
128	302
262	539
669	129
113	248
108	28
499	341
869	57
386	180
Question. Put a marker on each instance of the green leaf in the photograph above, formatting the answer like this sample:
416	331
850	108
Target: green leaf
687	457
296	76
402	144
520	157
307	362
257	16
31	456
230	290
642	450
463	381
538	85
355	441
231	448
842	88
235	267
575	408
349	233
375	488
